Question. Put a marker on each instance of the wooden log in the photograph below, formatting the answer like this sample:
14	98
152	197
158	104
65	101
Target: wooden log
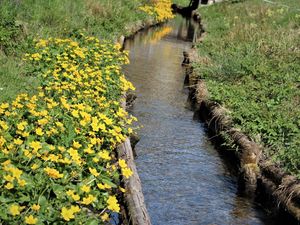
138	214
134	197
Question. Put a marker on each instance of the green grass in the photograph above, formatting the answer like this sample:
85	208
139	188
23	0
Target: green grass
250	60
23	21
12	78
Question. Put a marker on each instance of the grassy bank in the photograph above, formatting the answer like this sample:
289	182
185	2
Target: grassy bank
61	117
250	61
23	21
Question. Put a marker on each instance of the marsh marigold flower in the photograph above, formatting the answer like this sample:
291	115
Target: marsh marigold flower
68	214
113	204
15	209
53	173
126	172
35	207
30	219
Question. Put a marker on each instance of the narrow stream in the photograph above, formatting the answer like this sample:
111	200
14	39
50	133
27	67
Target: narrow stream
184	179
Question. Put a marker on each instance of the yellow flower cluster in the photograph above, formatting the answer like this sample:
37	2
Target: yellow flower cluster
57	147
161	9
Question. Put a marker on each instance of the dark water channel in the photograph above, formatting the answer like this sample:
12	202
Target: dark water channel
184	179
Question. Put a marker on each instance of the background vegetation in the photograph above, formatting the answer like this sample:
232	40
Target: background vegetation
250	61
23	21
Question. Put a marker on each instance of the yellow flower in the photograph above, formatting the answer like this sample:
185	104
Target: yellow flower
25	134
4	106
4	125
34	166
105	217
88	200
15	209
94	172
86	188
72	194
2	141
126	172
9	186
75	197
67	214
122	163
113	204
122	189
42	122
8	178
75	113
18	141
30	220
101	186
75	209
35	207
21	126
39	132
76	144
16	172
89	150
21	182
53	173
104	155
6	163
36	145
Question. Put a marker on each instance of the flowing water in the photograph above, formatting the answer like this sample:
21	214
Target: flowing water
184	179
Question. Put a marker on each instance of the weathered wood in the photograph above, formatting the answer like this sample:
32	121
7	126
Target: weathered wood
138	214
134	197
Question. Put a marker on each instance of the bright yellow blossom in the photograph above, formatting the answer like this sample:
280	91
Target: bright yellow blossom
21	182
104	155
113	204
30	219
15	209
126	172
18	141
86	188
88	200
9	186
36	145
105	217
53	173
39	132
94	172
122	163
35	207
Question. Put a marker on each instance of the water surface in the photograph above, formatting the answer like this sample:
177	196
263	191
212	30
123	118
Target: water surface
184	180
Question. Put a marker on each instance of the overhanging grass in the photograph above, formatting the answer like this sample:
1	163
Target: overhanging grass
250	61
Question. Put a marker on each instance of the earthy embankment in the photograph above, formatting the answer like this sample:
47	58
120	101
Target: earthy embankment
258	176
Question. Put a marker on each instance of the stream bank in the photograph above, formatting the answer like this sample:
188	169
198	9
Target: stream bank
258	176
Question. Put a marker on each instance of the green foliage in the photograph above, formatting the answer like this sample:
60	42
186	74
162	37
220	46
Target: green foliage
22	21
9	34
57	147
251	65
